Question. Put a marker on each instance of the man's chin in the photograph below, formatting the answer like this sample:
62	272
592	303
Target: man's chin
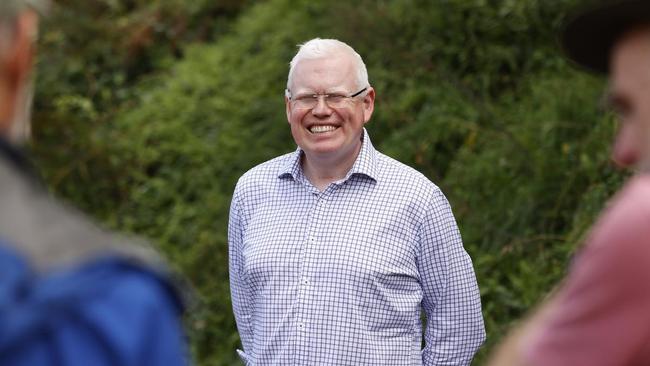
321	151
642	166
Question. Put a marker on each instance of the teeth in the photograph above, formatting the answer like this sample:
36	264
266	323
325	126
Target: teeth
321	129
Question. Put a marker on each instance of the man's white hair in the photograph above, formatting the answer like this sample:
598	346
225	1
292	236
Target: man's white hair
323	48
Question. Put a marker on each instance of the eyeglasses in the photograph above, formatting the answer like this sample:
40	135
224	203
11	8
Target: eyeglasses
333	100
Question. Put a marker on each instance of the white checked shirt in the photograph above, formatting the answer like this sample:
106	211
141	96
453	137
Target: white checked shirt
339	277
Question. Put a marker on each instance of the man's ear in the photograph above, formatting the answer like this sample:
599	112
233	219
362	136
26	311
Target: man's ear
16	59
287	104
368	104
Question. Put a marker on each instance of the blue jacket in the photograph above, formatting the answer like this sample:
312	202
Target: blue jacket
73	294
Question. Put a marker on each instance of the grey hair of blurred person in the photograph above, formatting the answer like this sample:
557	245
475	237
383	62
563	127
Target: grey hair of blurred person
318	48
10	10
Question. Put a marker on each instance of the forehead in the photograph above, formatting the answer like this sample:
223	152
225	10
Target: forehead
630	59
324	74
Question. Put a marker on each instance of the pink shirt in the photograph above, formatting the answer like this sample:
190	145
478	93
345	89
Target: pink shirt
601	315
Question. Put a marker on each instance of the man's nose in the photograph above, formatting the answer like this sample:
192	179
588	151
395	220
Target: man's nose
321	108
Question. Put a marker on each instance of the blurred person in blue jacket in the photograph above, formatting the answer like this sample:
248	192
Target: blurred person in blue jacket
70	293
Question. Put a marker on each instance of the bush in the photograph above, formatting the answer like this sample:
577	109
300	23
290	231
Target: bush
472	93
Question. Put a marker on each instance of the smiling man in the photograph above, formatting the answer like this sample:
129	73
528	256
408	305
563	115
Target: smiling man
335	249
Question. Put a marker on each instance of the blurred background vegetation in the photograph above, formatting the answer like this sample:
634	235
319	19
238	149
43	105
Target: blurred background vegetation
148	111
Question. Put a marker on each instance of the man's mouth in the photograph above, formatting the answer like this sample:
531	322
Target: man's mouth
322	128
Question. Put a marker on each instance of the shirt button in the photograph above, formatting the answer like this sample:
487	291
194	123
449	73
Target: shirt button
301	325
305	281
312	239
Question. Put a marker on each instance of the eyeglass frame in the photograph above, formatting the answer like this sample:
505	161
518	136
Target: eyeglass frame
316	97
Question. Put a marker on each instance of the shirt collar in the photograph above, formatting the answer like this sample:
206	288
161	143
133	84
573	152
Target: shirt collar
16	157
365	164
292	167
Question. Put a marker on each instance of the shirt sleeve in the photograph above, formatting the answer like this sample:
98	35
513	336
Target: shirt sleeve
451	298
238	290
104	314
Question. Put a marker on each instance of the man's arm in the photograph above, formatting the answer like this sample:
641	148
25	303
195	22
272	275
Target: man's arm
451	298
238	290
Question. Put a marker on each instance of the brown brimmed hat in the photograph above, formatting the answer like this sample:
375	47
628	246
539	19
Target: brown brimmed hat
588	38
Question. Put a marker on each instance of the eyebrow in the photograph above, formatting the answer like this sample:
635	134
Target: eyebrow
333	91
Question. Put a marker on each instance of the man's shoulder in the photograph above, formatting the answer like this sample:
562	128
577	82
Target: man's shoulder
397	174
265	173
50	234
625	223
617	243
48	230
629	210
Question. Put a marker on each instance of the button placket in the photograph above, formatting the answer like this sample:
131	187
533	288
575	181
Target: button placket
304	279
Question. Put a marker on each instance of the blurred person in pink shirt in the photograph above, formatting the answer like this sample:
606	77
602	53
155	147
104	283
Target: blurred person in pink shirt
600	315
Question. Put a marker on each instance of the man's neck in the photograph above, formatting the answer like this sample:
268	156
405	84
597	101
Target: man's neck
321	172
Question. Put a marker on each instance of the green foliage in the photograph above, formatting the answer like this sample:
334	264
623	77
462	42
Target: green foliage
526	189
147	112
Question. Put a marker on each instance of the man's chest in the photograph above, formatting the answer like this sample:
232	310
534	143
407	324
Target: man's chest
360	237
